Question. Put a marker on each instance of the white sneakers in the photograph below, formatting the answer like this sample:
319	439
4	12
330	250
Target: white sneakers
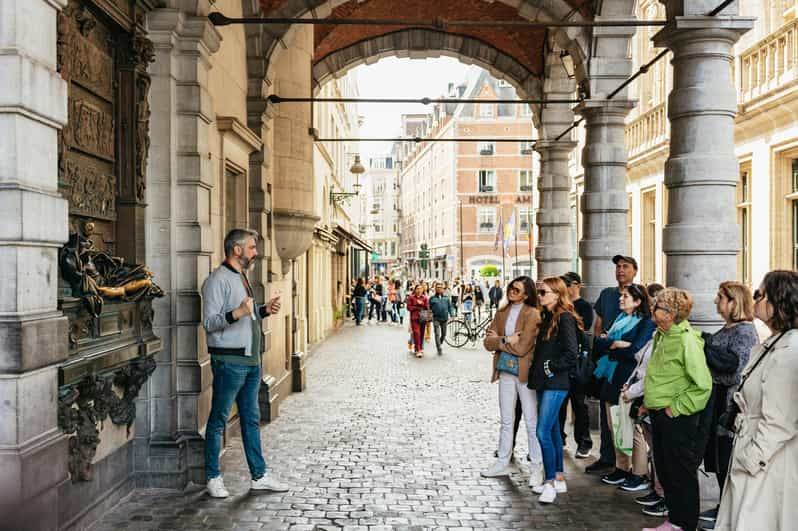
497	470
267	482
547	493
216	488
535	476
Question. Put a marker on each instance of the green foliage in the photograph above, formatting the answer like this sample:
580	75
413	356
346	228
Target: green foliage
489	271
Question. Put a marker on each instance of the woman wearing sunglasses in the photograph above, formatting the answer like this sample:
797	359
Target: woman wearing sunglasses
555	356
760	490
511	336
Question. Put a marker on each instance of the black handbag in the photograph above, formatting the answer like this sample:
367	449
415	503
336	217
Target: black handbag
728	418
582	373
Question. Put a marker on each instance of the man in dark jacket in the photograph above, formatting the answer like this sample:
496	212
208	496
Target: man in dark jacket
442	309
495	295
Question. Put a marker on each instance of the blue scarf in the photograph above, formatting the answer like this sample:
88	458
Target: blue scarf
605	368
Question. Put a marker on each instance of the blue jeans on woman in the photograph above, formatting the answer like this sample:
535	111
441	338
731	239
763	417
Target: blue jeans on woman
234	383
548	431
360	303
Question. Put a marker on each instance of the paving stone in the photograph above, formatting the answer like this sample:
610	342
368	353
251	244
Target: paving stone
382	441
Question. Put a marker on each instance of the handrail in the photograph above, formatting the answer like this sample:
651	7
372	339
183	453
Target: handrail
647	130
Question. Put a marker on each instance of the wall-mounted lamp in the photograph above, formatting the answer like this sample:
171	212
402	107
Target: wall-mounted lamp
356	169
567	63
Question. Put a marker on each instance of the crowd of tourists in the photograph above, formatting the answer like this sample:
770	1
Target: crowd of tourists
670	396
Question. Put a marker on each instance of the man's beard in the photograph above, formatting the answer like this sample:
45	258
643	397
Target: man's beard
246	263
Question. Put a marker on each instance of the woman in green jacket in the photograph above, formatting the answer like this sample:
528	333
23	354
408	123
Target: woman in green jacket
678	384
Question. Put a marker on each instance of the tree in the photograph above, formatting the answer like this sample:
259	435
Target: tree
489	271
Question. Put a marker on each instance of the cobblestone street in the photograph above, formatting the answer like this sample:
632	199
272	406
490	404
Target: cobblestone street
381	440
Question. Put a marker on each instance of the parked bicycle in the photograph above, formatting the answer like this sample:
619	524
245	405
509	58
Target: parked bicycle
460	331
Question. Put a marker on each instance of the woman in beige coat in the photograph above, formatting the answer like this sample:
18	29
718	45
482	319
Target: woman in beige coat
761	490
512	336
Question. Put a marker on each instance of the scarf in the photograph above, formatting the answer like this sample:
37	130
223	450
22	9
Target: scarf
605	368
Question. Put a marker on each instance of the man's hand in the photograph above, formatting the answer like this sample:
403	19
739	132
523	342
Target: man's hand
642	410
245	308
491	333
669	412
273	306
620	344
513	339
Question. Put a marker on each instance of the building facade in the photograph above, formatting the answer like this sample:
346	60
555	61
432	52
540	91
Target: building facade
382	206
458	196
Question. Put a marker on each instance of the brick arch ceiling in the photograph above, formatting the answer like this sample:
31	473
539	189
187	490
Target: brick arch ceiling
524	45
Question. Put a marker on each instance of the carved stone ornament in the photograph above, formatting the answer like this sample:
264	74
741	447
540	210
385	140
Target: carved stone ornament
142	133
82	407
94	275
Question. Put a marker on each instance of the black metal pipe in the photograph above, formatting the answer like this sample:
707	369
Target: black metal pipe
274	98
418	139
218	19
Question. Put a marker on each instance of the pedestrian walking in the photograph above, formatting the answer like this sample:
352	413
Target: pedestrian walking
359	296
760	490
511	337
677	388
495	295
233	326
479	300
727	352
555	356
468	302
442	309
417	305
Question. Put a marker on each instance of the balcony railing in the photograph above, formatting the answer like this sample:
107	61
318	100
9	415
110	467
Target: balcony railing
769	64
647	131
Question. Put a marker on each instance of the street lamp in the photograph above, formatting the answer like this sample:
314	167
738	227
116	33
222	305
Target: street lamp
356	169
567	63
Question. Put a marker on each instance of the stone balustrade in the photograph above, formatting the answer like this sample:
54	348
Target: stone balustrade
770	64
647	131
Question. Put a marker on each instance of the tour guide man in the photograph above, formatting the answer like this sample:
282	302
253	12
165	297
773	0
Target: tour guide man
232	323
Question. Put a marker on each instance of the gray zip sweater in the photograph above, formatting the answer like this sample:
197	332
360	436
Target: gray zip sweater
234	341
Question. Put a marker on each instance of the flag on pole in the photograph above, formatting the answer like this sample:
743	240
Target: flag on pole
509	231
498	233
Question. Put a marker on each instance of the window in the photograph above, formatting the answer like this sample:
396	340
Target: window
526	147
393	248
525	110
377	226
525	181
503	84
744	221
379	188
486	148
487	181
486	219
524	220
235	199
486	110
629	222
648	233
793	199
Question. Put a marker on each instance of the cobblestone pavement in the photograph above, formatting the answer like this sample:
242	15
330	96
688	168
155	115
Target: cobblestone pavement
381	440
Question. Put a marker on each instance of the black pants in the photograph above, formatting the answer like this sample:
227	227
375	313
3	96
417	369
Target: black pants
581	418
724	446
374	305
676	459
607	451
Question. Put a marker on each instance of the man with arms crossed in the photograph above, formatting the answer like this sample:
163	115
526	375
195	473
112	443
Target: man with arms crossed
232	322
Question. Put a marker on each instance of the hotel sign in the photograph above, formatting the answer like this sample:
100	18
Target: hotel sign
495	199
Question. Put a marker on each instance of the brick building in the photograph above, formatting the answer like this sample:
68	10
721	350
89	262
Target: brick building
455	195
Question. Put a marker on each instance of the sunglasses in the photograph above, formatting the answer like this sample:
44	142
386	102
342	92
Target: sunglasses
514	289
758	294
542	292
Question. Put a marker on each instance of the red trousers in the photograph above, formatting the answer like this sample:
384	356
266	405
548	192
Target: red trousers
418	335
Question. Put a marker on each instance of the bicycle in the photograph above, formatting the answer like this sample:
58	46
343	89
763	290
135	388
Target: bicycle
460	331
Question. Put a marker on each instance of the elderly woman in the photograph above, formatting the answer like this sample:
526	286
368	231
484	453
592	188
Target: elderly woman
677	388
616	350
727	352
761	491
512	336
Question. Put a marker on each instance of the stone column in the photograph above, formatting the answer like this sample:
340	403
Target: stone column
33	333
605	202
554	247
701	237
180	244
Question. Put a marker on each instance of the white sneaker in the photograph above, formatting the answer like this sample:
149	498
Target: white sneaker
215	488
535	476
267	482
548	493
497	470
560	486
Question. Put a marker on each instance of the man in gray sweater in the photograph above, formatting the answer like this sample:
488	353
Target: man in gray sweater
233	325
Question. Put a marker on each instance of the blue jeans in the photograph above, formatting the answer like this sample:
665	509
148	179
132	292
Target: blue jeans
548	431
239	383
360	303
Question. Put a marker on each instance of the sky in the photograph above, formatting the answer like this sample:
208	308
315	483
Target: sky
401	78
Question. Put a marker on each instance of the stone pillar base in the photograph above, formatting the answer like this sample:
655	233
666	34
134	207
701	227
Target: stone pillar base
267	399
298	372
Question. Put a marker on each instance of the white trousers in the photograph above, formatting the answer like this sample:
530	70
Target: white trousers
510	390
